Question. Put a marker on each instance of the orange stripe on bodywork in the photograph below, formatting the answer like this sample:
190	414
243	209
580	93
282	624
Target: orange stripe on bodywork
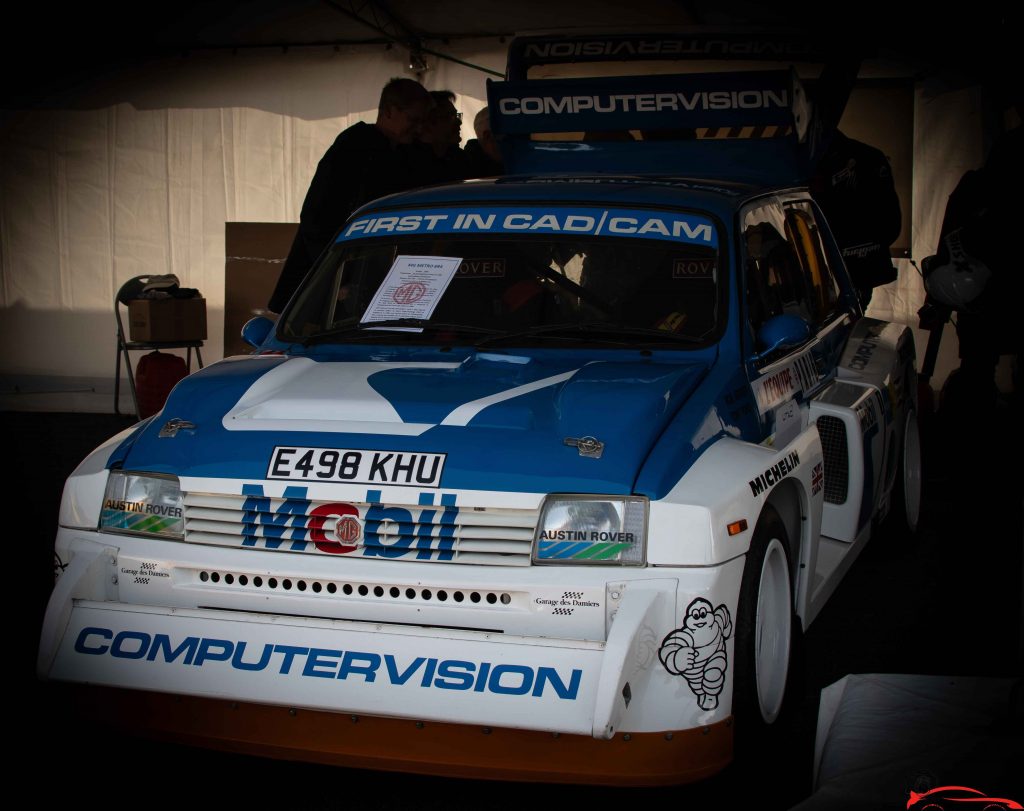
450	750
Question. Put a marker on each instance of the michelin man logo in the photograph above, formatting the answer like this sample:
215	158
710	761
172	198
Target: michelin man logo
697	650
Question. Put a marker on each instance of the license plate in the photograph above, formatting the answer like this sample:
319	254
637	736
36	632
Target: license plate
400	468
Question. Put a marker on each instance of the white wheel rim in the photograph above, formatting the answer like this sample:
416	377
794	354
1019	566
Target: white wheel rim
912	471
774	630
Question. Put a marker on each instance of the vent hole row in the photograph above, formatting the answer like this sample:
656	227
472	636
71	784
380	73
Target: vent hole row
286	584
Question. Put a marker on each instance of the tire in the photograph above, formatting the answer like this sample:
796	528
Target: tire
767	632
906	499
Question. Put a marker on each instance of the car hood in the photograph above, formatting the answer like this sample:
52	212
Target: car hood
503	422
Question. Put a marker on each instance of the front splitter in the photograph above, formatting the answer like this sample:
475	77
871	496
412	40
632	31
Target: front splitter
421	747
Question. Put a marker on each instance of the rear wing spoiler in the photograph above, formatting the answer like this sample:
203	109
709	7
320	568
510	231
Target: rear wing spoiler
530	51
744	125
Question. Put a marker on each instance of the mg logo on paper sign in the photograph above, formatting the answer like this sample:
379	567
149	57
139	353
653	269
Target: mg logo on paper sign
409	293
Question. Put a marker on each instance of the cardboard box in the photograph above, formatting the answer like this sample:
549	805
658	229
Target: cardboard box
167	320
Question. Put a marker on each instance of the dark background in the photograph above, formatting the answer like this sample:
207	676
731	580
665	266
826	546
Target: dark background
52	52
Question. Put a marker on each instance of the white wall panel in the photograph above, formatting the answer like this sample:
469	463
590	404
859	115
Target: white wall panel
144	183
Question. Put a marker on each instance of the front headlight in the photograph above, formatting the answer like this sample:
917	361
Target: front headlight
143	504
590	529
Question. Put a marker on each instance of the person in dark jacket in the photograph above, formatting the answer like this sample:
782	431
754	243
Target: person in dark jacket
976	273
435	154
853	185
362	164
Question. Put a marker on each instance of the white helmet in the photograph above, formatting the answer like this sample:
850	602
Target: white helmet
960	280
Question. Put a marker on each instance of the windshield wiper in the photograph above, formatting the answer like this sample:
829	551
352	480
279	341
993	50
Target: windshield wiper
371	327
590	328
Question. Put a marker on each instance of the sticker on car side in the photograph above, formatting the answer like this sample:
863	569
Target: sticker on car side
795	377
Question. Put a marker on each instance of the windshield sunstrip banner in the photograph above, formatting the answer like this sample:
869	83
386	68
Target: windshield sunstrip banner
642	102
682	227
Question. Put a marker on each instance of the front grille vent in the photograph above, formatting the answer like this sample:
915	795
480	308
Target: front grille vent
373	591
445	532
837	463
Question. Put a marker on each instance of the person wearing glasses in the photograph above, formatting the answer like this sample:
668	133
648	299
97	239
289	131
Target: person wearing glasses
435	155
364	163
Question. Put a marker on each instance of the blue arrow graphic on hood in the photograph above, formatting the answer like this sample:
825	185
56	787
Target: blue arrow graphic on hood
397	399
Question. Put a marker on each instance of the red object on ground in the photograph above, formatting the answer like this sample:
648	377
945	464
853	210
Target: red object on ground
155	376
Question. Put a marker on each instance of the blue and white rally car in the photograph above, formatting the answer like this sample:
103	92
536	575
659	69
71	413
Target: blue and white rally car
536	477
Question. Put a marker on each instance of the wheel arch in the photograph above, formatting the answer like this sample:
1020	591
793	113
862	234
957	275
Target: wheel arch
791	503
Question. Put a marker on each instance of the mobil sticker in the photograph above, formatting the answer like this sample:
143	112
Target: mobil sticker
294	523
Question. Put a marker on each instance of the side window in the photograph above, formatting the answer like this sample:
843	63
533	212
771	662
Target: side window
776	282
786	268
803	232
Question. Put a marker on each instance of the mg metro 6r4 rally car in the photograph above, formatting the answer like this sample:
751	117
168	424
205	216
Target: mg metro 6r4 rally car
539	477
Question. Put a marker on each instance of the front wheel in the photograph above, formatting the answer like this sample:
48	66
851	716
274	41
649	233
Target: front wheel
907	490
765	629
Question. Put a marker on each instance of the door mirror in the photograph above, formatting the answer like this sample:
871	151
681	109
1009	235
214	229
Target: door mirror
779	332
256	330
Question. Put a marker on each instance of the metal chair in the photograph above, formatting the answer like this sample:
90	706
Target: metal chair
130	290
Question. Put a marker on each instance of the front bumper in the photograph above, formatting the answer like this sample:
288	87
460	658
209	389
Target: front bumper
434	664
403	745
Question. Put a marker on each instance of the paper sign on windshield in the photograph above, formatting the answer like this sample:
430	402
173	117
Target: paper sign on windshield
412	288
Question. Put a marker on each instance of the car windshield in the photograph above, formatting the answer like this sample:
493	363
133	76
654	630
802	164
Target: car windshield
527	289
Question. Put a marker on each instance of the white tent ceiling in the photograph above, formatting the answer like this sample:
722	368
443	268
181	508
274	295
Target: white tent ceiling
64	48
